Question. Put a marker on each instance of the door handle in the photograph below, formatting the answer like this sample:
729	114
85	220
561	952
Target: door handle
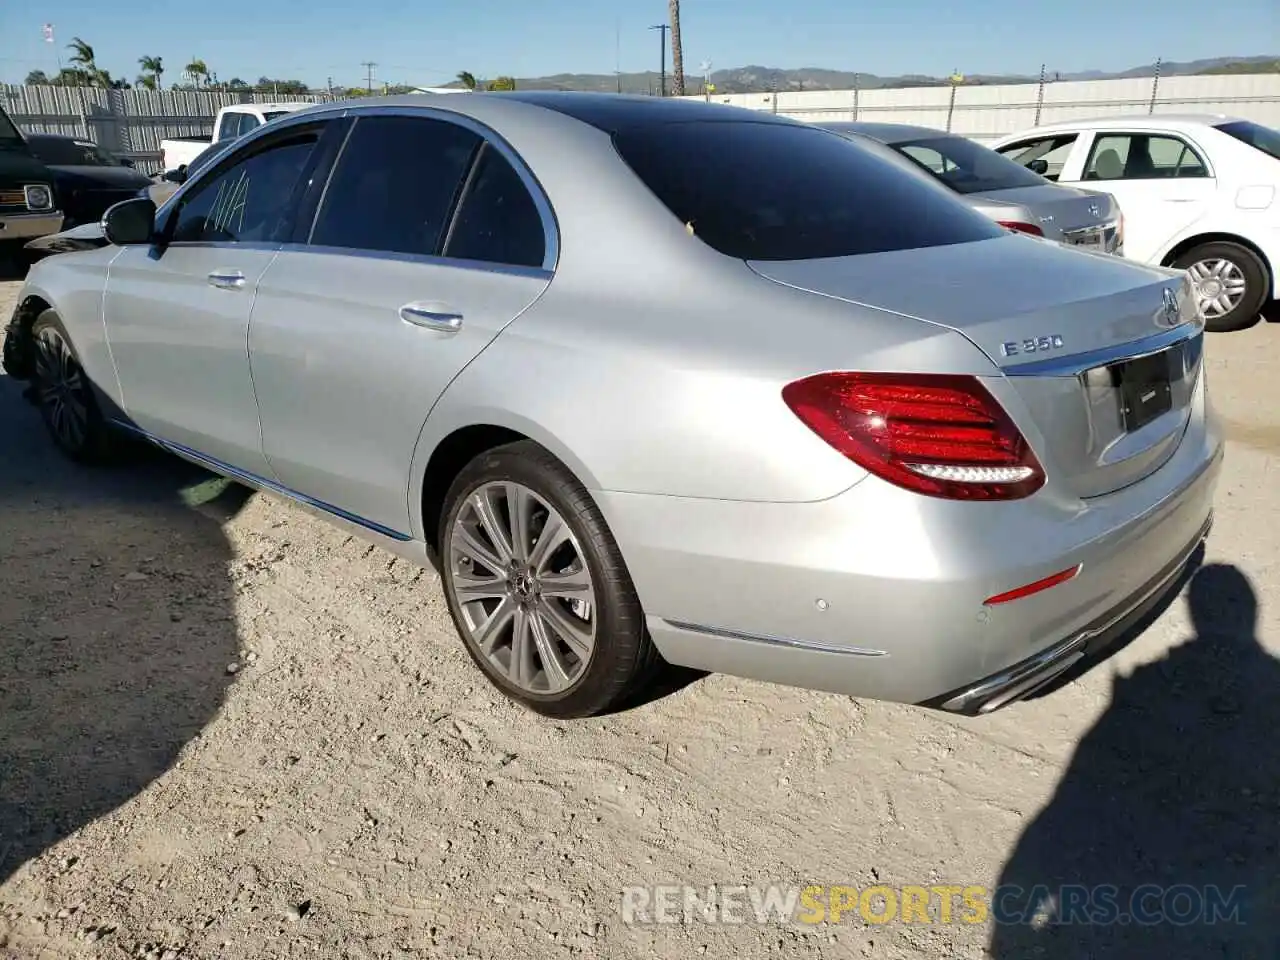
433	316
226	279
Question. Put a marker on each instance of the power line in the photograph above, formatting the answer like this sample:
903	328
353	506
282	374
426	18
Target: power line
369	65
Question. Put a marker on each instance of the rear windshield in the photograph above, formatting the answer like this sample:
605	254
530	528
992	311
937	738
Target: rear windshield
967	167
772	191
269	115
1255	135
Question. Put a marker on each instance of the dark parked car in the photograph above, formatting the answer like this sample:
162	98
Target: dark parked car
88	179
28	203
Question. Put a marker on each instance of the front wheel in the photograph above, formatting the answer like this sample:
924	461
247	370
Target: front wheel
537	587
64	395
1230	282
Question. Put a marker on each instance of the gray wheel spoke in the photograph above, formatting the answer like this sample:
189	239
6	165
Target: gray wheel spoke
552	665
482	505
488	633
466	543
575	633
471	587
519	504
521	670
555	533
573	585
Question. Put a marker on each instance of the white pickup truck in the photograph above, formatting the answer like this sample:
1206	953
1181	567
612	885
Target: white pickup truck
231	123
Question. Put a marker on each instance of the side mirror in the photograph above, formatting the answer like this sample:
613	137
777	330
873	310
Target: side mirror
130	222
1039	166
176	176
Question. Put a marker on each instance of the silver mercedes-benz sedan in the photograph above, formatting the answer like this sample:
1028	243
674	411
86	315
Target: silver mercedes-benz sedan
651	379
1007	192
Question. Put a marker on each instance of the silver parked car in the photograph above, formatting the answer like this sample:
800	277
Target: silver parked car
656	379
1007	192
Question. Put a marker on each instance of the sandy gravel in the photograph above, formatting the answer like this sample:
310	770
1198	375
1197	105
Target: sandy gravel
229	731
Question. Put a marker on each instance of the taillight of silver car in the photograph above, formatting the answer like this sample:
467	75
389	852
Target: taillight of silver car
935	434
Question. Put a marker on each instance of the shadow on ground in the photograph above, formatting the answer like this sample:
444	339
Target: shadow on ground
116	627
1163	839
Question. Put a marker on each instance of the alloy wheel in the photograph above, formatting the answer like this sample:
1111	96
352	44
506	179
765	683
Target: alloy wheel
61	388
523	587
1220	286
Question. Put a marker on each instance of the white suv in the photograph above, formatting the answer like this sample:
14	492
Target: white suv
1201	193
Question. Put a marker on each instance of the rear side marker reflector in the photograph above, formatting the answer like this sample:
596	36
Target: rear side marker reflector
1040	585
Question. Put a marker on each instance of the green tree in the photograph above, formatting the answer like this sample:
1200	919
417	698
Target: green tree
468	80
152	72
198	71
502	83
38	78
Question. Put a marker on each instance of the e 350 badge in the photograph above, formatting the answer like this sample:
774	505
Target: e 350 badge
1013	348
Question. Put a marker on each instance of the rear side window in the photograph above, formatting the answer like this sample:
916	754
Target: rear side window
395	185
772	191
967	167
498	221
1140	156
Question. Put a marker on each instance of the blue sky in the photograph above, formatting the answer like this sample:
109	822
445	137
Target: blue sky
423	43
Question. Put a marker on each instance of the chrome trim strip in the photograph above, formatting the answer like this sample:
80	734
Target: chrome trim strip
536	273
1077	364
252	479
1019	675
788	642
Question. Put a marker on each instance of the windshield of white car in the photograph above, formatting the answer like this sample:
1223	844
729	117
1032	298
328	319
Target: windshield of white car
967	167
270	115
774	191
1255	135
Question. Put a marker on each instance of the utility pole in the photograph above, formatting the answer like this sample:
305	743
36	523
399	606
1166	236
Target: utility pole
369	65
662	29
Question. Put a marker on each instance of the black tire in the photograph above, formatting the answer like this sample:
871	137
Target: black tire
1257	282
60	384
623	660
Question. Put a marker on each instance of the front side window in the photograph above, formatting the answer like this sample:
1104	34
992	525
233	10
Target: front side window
395	185
248	122
250	201
497	221
761	190
967	167
230	127
1045	156
1140	156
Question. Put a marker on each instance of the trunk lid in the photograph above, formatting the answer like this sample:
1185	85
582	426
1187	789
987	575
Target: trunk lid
1066	214
1060	325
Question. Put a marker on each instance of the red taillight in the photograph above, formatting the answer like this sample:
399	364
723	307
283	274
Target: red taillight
940	435
1019	227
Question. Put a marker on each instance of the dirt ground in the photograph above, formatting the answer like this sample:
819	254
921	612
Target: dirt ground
228	731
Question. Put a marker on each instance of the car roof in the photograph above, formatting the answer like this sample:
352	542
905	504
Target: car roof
1137	121
609	112
887	132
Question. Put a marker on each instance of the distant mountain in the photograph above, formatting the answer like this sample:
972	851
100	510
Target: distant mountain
758	79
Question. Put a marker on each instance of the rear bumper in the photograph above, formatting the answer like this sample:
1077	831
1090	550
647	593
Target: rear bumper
27	226
880	593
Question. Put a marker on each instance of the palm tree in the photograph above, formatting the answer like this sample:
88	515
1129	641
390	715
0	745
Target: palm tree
83	55
153	70
197	70
468	80
677	50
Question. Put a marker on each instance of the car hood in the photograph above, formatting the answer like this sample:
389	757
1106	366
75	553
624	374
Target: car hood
100	178
88	236
17	163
